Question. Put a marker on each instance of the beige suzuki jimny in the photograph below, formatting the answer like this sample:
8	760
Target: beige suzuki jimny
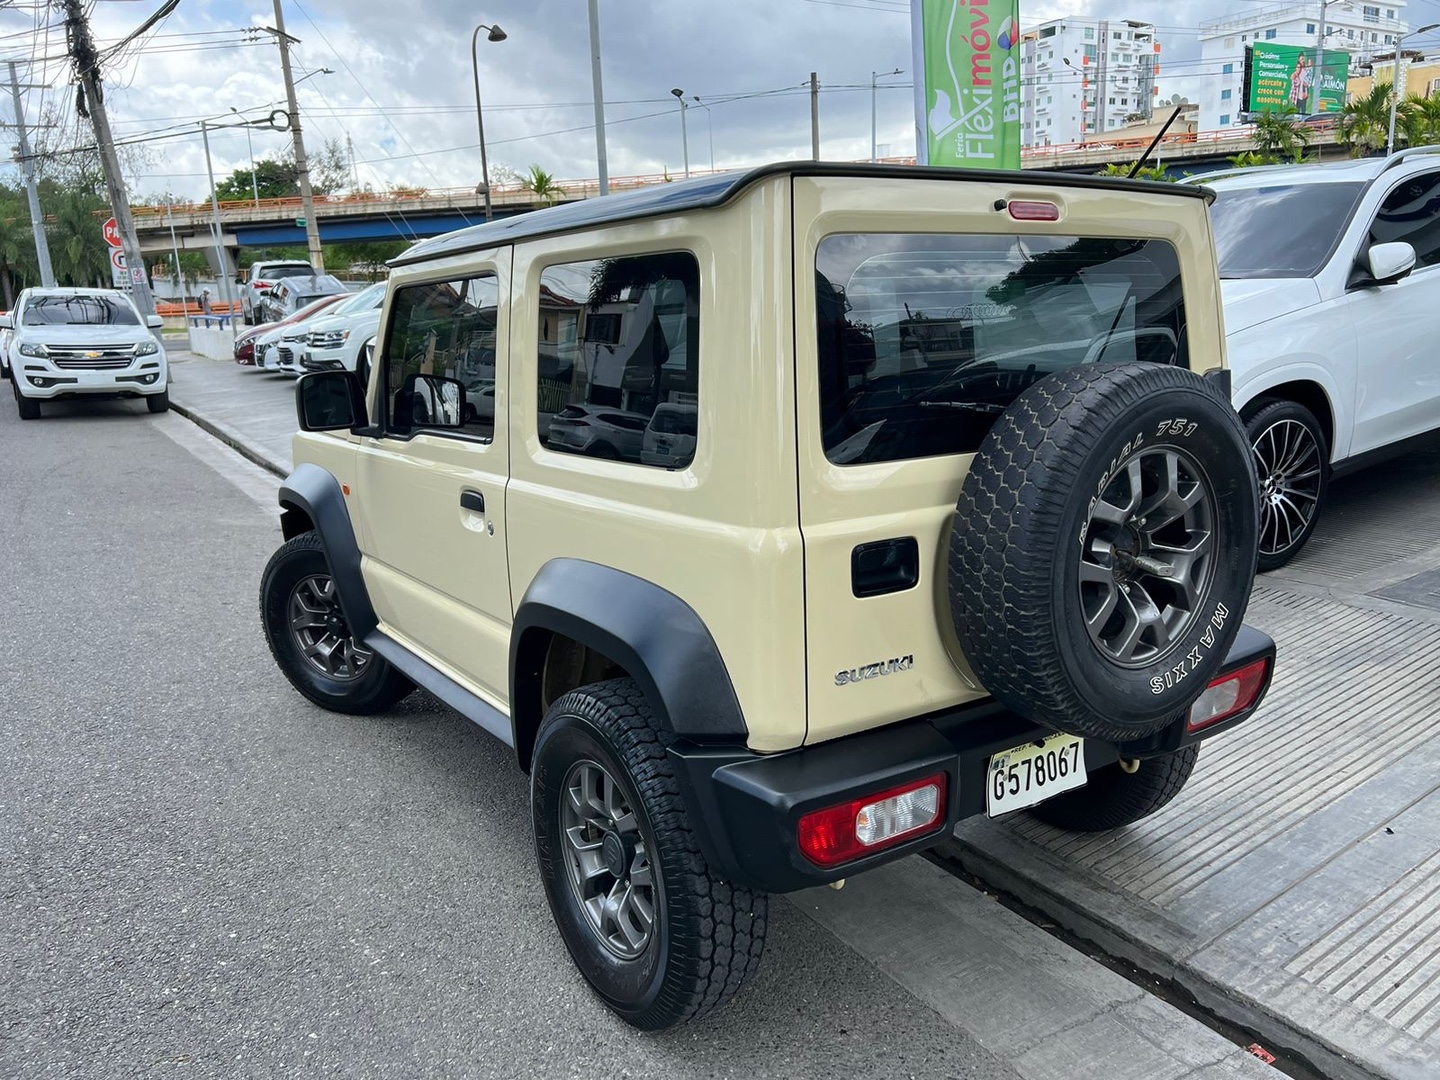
778	521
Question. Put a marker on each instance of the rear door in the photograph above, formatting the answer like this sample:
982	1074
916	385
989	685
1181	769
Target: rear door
433	497
921	312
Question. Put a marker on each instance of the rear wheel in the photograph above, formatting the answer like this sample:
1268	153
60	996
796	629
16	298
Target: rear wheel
1292	465
1114	797
657	935
311	640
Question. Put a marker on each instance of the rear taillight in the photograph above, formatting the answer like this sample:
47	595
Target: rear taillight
851	830
262	286
1231	693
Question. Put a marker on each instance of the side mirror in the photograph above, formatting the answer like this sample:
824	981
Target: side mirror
330	401
1389	263
154	322
429	401
7	322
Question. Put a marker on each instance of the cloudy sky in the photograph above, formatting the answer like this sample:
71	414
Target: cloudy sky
401	87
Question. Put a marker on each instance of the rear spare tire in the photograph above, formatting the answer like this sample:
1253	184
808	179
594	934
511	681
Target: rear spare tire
1104	548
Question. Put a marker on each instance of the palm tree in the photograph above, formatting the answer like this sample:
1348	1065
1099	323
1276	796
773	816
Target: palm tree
77	245
1279	135
1419	121
542	184
1365	122
17	249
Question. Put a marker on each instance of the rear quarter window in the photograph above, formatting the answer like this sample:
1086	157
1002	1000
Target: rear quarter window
925	338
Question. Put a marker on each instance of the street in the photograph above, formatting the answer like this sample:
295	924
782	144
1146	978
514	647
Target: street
201	869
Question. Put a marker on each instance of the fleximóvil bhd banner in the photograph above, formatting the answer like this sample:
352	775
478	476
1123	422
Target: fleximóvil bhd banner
967	90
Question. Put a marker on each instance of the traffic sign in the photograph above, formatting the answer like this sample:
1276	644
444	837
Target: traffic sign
137	275
112	233
299	222
118	277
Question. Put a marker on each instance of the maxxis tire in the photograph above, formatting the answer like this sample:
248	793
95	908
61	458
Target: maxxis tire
1027	520
1113	798
158	403
28	408
707	934
1270	427
377	688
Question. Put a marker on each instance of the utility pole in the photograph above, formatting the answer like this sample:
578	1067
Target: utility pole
1317	75
814	117
27	165
92	102
599	93
227	283
302	164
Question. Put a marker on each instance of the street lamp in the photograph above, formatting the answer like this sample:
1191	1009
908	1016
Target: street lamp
875	75
250	145
684	134
495	34
1395	85
709	127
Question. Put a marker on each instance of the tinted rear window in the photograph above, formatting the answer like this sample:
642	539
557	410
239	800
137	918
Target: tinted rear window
275	273
924	339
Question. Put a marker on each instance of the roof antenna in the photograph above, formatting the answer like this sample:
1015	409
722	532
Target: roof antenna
1153	143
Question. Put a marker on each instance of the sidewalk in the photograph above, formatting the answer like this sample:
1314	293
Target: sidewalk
1294	887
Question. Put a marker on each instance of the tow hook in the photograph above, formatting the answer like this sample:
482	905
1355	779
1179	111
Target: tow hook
1130	765
838	885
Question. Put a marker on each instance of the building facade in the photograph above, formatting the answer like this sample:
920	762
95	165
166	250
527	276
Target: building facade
1360	29
1083	77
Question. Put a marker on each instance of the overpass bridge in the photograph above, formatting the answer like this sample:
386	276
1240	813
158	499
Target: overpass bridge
417	213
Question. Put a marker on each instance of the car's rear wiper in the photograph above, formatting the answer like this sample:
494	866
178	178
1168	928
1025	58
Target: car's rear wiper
967	406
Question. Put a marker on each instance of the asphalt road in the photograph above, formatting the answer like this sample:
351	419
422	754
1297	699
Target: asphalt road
203	875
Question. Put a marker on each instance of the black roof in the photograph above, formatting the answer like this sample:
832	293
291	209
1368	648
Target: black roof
708	192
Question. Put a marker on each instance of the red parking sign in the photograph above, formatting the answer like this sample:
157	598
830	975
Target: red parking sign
112	233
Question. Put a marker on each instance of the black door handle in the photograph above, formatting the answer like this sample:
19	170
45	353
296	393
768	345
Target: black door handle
472	500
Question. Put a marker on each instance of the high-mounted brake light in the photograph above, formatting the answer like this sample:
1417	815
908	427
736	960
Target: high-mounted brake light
1231	693
860	827
1034	211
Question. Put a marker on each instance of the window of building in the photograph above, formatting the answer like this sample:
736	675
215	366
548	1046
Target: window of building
444	330
1224	119
1224	95
1114	57
1244	37
1309	28
1112	101
1089	51
1115	35
1389	39
1047	31
1371	14
915	359
1089	33
1227	69
1269	35
1389	13
1373	37
618	372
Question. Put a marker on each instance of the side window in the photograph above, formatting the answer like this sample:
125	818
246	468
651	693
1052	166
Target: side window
1411	212
442	330
618	372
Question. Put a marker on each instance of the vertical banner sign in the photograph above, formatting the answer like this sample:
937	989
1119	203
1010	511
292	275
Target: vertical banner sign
967	89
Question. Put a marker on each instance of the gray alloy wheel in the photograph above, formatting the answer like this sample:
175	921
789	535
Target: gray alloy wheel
321	635
1288	463
607	860
1147	556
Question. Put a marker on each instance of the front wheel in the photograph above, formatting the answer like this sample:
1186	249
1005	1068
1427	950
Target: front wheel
656	934
158	403
1114	797
28	408
1292	465
311	641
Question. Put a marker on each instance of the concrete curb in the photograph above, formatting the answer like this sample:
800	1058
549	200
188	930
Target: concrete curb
231	438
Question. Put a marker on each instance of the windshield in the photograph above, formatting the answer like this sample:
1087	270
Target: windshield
366	299
80	311
1285	230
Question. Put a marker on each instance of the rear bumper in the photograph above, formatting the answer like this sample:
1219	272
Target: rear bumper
747	807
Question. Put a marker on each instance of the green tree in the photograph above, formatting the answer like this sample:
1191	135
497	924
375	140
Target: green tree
18	261
1418	122
1280	136
78	250
542	184
1365	122
276	176
1149	172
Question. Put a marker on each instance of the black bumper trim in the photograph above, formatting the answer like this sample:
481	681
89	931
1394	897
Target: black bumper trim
746	807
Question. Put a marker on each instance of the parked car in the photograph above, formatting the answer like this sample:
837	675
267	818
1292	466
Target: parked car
246	341
290	294
4	348
1331	285
337	342
598	431
670	436
256	283
915	579
83	342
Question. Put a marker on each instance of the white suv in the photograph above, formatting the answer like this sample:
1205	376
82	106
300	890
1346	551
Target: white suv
261	278
1331	285
337	339
79	342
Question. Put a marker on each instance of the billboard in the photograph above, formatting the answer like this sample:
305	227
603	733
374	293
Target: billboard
1281	75
967	87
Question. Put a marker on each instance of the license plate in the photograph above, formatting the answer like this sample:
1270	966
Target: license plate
1025	775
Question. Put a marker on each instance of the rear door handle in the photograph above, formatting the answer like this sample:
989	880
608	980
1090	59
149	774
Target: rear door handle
473	501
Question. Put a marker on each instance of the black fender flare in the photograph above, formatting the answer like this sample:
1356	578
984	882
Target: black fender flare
311	497
655	636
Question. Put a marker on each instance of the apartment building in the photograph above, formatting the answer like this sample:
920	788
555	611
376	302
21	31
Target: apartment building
1083	77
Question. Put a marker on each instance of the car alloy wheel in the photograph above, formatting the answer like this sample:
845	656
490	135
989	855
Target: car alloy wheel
320	631
1288	466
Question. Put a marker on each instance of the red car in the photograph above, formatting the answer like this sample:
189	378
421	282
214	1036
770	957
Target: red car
245	340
